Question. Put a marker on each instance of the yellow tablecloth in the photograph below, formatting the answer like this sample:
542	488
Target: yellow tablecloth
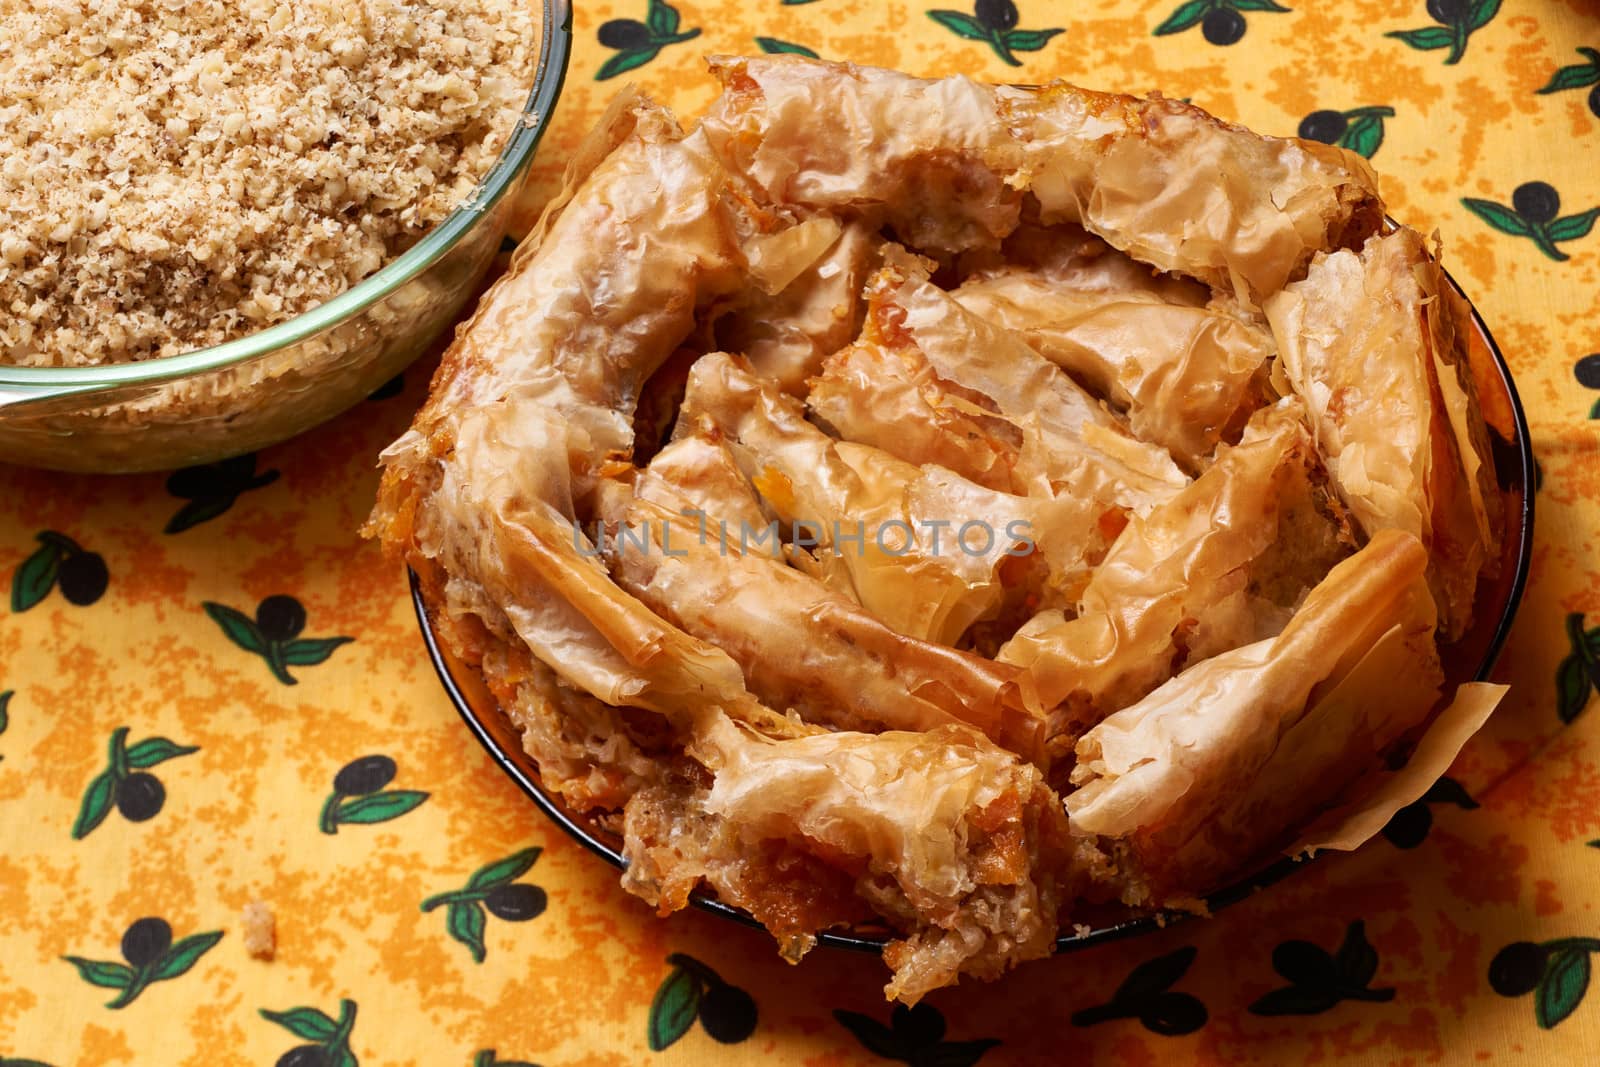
158	770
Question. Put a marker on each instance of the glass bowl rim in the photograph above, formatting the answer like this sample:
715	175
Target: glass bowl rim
19	385
1520	524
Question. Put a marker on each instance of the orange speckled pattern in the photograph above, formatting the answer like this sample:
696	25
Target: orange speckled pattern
158	772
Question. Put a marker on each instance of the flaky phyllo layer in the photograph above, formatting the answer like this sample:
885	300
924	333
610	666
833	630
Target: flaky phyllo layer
1219	429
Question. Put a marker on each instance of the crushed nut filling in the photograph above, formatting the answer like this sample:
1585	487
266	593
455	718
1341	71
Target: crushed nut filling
179	173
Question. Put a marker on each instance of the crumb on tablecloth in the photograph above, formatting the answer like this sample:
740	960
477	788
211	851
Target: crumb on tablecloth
260	930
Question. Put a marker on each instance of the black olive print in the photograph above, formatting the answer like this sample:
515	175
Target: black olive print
59	561
1517	968
360	795
126	785
329	1039
1536	201
210	489
1409	826
146	940
996	14
273	634
515	903
1359	130
1221	22
83	578
1535	213
364	776
920	1026
1579	672
303	1056
397	385
152	957
625	35
728	1014
694	990
1455	21
1304	963
492	888
1446	12
140	797
1325	126
1585	75
1173	1014
1223	26
637	42
994	22
1147	995
914	1036
1556	972
280	618
228	478
1587	371
1320	980
191	482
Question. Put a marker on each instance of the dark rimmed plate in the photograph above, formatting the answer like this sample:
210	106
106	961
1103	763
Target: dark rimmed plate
1469	659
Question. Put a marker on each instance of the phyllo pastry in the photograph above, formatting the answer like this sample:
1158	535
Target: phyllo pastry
1374	340
888	503
1186	374
952	164
1181	778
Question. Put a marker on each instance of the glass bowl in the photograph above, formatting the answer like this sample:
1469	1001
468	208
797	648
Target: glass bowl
1469	659
262	388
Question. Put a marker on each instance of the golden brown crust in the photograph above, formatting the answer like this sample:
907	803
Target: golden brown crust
948	161
829	730
1375	342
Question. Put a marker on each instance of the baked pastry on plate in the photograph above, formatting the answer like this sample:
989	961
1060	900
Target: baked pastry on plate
949	504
